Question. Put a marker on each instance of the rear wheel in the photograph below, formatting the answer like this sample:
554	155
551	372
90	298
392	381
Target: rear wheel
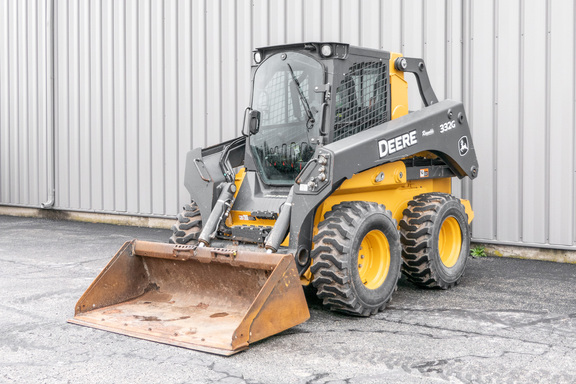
188	226
435	238
356	258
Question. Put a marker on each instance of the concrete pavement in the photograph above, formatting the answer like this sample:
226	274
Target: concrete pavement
509	321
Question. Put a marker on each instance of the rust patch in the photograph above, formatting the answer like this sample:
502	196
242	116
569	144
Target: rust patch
111	311
219	314
155	318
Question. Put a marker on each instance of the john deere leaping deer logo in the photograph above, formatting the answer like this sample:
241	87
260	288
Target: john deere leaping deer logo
463	145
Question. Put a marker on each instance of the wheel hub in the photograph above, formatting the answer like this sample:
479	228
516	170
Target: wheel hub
374	259
449	242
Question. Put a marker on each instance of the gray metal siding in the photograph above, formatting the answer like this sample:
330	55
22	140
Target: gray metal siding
139	83
25	94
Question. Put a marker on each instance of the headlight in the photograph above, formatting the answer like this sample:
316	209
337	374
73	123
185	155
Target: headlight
258	57
326	50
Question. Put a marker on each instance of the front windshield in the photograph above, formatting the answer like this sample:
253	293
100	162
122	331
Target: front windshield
290	115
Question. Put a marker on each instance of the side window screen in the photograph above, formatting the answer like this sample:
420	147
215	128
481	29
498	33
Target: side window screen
361	99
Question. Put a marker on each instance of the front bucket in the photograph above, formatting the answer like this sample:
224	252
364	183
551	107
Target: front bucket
209	299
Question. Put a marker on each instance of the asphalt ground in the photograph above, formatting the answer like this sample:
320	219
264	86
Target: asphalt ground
509	320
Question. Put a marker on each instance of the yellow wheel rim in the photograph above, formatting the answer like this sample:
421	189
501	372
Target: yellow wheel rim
449	242
374	259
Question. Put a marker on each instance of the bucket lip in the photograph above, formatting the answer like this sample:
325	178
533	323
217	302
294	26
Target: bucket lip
78	320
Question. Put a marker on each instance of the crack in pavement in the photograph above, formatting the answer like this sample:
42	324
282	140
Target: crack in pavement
475	333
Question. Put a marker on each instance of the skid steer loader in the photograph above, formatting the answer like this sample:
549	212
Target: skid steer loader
333	183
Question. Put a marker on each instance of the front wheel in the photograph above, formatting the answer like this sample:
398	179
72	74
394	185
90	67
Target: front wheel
356	258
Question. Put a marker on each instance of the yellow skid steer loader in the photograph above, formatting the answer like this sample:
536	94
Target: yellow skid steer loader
333	183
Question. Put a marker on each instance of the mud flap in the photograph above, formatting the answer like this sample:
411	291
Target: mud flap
215	300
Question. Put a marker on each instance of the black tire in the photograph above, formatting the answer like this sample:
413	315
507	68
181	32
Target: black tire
435	238
336	267
188	226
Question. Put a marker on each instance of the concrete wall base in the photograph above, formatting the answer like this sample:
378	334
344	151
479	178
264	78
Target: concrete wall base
89	217
531	253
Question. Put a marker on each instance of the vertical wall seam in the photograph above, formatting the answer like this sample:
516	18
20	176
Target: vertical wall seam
267	23
17	112
30	167
285	6
424	35
150	128
205	70
220	112
163	71
235	70
520	202
360	34
340	21
79	105
547	122
470	71
89	93
125	113
192	65
17	89
302	17
8	110
380	25
101	101
177	107
495	84
53	108
137	56
68	111
23	143
37	92
466	45
252	18
113	135
448	38
574	125
402	37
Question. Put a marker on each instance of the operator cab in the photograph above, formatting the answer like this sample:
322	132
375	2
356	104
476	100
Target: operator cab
297	111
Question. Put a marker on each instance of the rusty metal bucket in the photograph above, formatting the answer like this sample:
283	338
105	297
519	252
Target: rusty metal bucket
208	299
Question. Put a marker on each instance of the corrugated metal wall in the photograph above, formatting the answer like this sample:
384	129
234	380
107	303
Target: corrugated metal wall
139	82
25	101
